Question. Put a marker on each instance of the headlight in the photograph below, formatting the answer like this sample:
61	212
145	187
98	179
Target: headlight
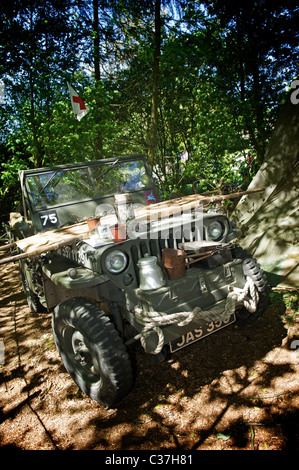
116	262
215	231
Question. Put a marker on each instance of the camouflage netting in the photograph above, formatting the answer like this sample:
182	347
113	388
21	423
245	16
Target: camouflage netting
269	220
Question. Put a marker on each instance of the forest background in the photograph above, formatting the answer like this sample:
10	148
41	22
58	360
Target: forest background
194	85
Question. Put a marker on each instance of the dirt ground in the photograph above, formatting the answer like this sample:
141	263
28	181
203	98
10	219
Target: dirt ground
235	390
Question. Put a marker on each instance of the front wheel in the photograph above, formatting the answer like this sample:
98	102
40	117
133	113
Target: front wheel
92	351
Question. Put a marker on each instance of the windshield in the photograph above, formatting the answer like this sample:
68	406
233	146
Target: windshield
77	184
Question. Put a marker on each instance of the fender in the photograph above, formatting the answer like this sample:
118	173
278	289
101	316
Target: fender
67	275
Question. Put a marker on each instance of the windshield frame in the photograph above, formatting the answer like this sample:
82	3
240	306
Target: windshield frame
96	195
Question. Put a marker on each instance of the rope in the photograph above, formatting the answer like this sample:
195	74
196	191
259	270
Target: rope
152	321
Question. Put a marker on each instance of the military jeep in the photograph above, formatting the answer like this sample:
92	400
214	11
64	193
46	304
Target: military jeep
173	275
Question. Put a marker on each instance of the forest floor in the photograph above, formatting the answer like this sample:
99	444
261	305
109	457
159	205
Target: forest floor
235	390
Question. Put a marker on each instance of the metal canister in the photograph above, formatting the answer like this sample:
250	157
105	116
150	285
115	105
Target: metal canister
151	276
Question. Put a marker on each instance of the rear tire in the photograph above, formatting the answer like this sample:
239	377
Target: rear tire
92	351
32	298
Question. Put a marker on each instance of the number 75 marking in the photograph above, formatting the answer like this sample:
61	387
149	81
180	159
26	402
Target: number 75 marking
49	219
52	219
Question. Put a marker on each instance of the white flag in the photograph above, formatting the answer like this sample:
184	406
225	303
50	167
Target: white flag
79	108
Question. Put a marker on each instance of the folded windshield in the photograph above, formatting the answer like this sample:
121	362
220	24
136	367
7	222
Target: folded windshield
61	186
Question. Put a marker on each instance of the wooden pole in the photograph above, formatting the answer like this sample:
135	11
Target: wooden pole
43	249
8	246
178	204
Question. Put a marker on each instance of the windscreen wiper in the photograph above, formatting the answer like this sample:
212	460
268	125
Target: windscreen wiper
110	167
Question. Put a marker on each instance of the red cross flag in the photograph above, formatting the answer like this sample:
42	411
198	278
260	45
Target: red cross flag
79	108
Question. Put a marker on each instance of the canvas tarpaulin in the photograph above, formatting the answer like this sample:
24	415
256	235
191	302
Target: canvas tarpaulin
43	242
269	220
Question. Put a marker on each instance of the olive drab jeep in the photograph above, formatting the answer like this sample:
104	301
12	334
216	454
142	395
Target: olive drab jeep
118	268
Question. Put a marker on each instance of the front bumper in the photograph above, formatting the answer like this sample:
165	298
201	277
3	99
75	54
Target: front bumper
201	287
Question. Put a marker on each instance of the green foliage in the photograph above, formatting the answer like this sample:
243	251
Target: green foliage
222	75
290	298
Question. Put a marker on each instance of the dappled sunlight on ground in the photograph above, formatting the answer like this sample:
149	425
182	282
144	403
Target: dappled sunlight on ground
237	389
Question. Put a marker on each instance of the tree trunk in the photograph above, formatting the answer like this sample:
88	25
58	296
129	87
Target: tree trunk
35	149
96	40
98	142
155	91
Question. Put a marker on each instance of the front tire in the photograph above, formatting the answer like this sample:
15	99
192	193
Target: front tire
252	269
92	351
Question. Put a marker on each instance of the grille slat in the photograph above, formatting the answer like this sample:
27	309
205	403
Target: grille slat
154	246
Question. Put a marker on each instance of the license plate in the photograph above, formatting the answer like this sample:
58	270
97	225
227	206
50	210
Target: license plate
200	333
